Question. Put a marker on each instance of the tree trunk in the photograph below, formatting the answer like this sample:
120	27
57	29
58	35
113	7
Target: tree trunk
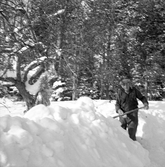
74	94
146	88
28	98
107	90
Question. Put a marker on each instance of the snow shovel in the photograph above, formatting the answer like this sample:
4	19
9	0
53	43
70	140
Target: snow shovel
128	112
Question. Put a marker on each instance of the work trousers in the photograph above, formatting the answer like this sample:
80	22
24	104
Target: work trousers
130	123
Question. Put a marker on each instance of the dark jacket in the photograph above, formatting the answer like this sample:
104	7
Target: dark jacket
127	102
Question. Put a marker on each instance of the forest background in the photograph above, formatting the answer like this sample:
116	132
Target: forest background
81	46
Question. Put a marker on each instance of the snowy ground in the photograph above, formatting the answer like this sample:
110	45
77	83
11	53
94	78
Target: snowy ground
79	134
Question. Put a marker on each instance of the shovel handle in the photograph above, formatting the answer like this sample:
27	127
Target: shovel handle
128	112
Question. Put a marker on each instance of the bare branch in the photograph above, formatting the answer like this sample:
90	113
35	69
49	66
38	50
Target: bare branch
8	79
7	67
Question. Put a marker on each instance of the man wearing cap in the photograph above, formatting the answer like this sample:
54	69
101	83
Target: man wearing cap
126	101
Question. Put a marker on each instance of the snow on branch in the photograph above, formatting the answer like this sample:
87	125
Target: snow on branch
32	66
59	12
8	79
37	74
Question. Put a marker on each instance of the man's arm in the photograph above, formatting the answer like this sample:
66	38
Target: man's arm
117	105
142	98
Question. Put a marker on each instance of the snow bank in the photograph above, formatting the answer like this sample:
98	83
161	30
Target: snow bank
67	135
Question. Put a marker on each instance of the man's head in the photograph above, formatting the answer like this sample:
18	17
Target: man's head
126	84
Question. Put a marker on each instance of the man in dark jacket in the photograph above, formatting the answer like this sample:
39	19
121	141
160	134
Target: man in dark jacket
126	101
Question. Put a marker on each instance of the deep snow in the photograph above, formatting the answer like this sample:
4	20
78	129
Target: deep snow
79	133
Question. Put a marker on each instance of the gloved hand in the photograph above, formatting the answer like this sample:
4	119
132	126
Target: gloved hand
146	106
120	112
